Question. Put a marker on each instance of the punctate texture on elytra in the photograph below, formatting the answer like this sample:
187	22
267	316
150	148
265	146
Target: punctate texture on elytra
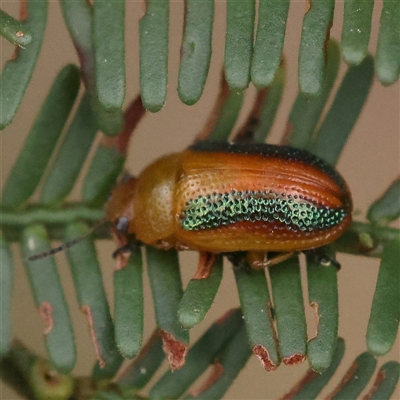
222	197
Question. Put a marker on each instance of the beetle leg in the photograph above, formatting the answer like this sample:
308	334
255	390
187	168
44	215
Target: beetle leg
123	252
266	263
206	261
238	260
123	249
256	258
320	255
127	248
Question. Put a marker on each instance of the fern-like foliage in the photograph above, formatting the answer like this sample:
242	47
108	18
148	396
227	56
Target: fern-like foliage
253	48
271	323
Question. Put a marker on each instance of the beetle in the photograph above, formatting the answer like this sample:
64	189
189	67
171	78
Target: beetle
228	197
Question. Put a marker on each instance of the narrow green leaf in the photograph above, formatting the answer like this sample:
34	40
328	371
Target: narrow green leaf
387	208
33	214
78	18
6	288
138	374
289	310
323	298
128	306
104	169
42	139
312	387
195	50
75	146
173	384
110	123
343	114
255	302
109	158
270	105
92	300
227	117
306	112
239	42
17	73
166	287
102	395
316	28
14	31
199	296
22	358
386	381
384	319
232	360
370	238
388	48
15	368
153	40
109	42
356	378
49	299
272	16
356	29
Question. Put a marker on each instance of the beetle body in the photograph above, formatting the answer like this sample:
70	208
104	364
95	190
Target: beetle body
220	197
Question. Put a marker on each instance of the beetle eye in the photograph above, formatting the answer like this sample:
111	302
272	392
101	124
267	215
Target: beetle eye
122	224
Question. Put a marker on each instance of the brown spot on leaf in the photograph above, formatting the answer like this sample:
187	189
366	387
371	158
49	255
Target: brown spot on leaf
46	312
88	312
263	355
217	370
350	372
224	317
315	307
206	261
294	359
380	377
308	377
174	350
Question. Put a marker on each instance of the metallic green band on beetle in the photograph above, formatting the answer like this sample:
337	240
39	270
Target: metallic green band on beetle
221	209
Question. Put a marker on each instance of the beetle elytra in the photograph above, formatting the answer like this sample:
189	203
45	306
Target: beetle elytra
223	198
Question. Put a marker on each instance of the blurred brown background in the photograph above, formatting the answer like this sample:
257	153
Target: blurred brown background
369	163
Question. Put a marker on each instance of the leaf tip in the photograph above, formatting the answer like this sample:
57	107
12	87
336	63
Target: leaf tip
263	355
174	350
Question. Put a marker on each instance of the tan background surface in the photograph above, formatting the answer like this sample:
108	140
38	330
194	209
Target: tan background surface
369	163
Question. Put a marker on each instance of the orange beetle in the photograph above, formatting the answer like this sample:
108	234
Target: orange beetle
221	197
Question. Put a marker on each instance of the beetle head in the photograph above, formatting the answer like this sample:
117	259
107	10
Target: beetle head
120	208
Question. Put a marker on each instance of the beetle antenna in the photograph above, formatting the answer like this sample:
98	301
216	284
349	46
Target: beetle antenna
66	245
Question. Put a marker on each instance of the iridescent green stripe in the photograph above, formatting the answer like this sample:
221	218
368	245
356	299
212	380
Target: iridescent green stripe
295	212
